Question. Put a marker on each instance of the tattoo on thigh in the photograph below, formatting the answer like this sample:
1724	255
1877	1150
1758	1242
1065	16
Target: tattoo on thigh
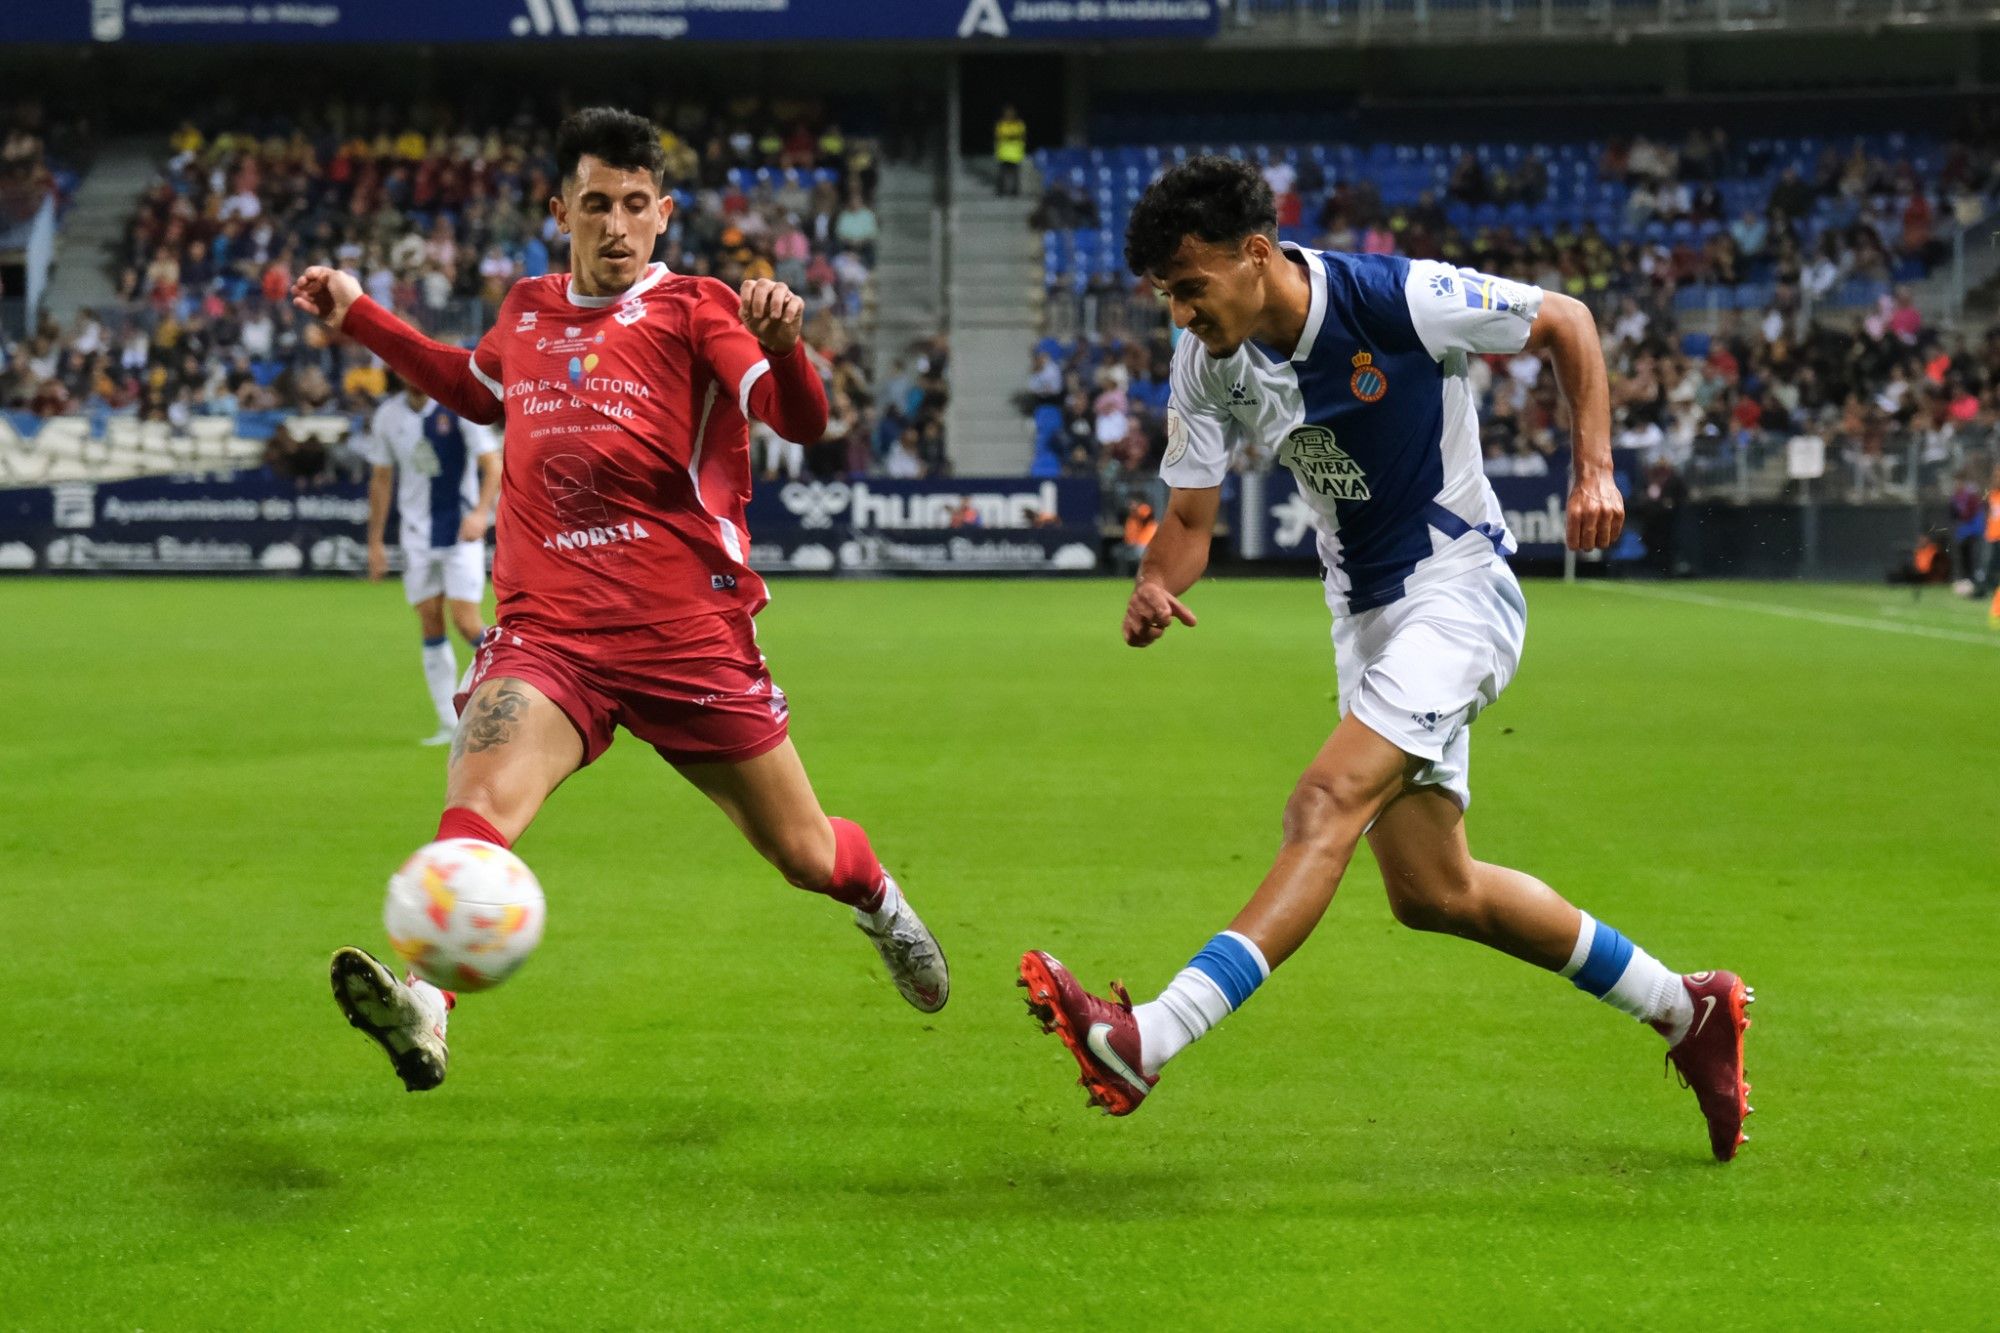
490	721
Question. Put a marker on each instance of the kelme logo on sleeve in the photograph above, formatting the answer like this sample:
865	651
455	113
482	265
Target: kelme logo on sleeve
1177	438
1322	466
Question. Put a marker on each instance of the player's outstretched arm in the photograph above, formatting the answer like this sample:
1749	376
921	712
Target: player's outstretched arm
790	399
444	372
1174	561
327	294
1565	330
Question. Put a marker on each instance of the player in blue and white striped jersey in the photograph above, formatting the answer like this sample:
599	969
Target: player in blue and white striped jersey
1352	368
445	475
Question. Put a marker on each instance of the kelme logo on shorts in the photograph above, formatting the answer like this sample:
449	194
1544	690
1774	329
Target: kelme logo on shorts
1322	466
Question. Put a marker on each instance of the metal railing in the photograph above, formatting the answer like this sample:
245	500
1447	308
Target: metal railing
1119	312
459	319
1122	312
1357	21
1899	467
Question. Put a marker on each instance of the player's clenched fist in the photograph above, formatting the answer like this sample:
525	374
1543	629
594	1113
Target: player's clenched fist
1596	513
773	313
326	294
1150	611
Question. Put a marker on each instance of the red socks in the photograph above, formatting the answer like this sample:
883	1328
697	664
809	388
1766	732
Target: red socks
857	875
459	822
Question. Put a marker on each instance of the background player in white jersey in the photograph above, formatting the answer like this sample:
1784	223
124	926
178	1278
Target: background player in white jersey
444	473
1352	367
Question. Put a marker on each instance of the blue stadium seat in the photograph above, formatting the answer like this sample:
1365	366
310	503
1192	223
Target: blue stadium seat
1115	173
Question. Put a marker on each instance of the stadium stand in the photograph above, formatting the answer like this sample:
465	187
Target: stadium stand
33	172
1750	291
1900	408
439	217
1722	224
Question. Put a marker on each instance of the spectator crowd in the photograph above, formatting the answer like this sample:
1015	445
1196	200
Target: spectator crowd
1656	219
439	215
1875	395
1873	382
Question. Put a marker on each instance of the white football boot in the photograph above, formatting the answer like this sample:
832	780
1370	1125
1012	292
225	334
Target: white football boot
911	953
442	736
408	1021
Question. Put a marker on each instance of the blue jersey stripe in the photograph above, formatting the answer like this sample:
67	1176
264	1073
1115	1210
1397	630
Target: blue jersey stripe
1453	526
1386	535
1395	433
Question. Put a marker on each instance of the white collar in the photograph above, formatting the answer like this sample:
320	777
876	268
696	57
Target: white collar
1316	310
654	274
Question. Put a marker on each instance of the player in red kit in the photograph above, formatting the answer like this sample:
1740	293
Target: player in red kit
625	595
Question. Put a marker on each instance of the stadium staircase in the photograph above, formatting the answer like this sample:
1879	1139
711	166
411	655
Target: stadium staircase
906	263
1941	298
95	227
996	297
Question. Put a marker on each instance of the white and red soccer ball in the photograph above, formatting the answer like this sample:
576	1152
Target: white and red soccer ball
464	914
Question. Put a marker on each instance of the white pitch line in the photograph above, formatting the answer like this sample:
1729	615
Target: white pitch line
1798	613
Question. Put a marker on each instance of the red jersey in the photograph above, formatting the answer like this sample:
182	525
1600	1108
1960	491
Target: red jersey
627	451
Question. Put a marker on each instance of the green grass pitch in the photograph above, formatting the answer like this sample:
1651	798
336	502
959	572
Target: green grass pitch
701	1105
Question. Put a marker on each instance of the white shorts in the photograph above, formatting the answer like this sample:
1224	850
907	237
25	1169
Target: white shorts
457	571
1418	670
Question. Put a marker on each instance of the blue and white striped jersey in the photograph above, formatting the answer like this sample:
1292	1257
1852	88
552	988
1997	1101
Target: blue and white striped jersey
435	453
1371	413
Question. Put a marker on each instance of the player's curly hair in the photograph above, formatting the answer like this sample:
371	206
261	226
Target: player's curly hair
1215	199
615	138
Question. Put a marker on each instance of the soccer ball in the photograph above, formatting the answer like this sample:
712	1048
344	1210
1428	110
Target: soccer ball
464	914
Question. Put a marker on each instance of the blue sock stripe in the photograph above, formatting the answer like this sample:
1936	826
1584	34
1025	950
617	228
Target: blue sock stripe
1609	954
432	643
1229	965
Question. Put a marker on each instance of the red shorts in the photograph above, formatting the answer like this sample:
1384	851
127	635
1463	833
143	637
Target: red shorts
696	690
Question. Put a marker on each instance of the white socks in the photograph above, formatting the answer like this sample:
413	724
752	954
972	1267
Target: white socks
892	902
1215	982
1168	1025
430	1000
441	675
1629	979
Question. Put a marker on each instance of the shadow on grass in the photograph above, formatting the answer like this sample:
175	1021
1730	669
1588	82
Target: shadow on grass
238	1173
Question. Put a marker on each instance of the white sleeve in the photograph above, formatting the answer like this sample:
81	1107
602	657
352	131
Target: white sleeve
1198	434
1464	310
371	444
482	440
